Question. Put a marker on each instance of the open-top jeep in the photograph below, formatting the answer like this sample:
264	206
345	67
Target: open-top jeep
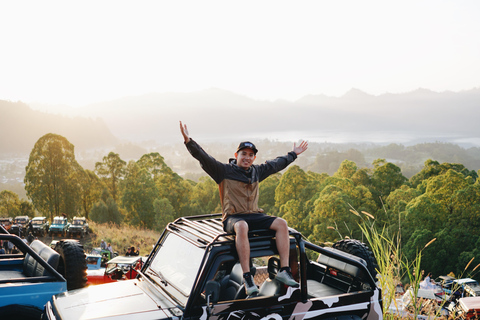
29	278
193	273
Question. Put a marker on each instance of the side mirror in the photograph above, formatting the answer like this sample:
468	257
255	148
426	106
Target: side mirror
212	292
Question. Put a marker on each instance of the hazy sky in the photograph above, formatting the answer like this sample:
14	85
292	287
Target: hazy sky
79	52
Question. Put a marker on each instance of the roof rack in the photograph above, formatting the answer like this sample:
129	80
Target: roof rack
208	229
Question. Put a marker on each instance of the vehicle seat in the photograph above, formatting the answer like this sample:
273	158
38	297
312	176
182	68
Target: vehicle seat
271	286
32	268
232	284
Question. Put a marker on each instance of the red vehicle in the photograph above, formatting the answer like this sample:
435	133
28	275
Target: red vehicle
119	268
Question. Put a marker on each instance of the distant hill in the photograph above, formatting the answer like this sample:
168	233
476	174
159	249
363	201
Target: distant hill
21	127
215	114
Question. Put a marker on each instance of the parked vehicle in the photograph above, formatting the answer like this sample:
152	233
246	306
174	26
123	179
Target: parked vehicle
79	226
465	287
123	268
6	222
95	269
470	287
59	226
467	308
29	278
20	224
40	226
119	268
193	273
106	254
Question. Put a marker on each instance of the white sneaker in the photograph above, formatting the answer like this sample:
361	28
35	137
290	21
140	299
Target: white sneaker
286	277
250	286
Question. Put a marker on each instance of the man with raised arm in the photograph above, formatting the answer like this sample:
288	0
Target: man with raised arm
238	183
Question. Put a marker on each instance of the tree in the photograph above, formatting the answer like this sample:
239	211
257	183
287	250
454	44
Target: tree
50	179
169	184
423	212
106	210
139	193
9	203
91	189
386	177
205	198
26	208
266	198
395	206
443	188
434	168
346	170
164	213
112	170
291	186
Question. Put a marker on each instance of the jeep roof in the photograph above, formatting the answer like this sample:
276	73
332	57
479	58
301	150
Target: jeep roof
39	218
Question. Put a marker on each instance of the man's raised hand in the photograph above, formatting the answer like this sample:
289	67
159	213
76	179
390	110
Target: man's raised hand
184	131
301	148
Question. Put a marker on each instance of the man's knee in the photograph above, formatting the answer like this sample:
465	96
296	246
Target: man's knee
279	224
241	227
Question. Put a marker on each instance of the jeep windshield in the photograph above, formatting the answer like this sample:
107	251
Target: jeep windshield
21	221
37	222
58	221
78	222
175	266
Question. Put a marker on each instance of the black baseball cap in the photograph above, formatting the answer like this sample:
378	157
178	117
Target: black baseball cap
247	144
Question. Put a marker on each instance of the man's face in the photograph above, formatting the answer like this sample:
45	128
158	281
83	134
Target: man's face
245	158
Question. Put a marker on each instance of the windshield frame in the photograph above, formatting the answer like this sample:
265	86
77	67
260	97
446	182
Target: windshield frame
178	274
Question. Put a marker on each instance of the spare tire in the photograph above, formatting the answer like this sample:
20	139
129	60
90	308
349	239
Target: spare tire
361	250
73	264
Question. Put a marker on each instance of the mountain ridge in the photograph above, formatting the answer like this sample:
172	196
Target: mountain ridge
220	114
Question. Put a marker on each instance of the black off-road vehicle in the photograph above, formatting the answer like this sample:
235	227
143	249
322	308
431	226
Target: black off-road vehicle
40	226
193	273
20	225
79	226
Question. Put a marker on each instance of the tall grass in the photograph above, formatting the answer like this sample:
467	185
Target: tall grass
392	267
121	237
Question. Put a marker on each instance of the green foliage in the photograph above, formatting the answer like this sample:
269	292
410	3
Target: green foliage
440	201
292	185
106	210
386	178
9	204
267	189
139	192
205	198
111	170
51	178
164	213
91	188
169	184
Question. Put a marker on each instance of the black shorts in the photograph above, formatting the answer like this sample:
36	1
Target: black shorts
255	221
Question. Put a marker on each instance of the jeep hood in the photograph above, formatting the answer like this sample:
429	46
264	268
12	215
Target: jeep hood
126	299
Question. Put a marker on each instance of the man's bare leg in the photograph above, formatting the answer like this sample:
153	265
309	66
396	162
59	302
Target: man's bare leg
284	275
243	250
282	240
242	244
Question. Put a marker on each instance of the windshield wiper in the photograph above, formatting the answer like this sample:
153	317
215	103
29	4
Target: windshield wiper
158	275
